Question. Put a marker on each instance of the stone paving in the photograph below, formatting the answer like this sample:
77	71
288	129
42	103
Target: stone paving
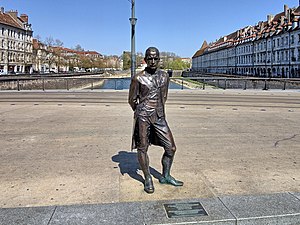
65	158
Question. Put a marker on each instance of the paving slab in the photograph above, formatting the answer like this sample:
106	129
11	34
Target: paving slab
297	195
155	213
26	216
272	209
112	214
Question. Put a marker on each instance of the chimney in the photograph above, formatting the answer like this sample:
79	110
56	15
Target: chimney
281	20
2	10
270	18
24	18
286	8
261	25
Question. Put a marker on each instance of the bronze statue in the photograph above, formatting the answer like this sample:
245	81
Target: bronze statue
147	97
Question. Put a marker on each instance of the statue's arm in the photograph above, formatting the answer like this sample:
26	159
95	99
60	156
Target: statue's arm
165	95
133	93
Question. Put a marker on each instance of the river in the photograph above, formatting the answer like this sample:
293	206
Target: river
124	83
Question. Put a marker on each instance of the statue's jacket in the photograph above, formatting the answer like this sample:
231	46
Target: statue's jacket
145	87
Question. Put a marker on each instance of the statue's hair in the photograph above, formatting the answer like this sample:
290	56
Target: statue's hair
151	49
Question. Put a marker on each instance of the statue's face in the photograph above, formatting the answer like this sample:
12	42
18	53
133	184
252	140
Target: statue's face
152	60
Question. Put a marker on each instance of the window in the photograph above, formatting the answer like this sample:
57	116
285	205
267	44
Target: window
293	55
292	39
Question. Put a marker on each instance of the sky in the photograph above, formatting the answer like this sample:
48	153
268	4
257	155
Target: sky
178	26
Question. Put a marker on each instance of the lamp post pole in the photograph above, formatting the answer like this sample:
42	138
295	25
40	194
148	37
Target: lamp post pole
133	22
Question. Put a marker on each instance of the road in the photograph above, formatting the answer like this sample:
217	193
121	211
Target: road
249	98
61	148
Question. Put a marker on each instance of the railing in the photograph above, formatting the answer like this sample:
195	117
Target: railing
61	83
246	83
87	83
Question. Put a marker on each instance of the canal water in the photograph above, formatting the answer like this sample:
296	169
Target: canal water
124	83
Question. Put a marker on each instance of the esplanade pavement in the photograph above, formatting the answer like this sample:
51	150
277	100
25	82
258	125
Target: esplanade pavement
66	159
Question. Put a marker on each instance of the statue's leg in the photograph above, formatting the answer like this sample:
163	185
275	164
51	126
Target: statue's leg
167	141
143	158
144	164
167	161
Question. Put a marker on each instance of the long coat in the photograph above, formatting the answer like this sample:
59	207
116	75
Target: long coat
139	91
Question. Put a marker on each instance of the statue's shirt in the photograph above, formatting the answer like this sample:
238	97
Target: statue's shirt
150	101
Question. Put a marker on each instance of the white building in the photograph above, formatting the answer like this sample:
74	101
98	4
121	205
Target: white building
269	49
40	53
15	42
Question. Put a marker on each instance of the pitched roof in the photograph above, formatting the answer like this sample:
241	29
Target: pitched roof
68	50
232	36
261	30
278	16
201	50
38	44
9	20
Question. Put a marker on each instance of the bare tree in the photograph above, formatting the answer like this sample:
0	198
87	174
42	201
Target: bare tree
59	59
78	48
38	37
49	42
54	56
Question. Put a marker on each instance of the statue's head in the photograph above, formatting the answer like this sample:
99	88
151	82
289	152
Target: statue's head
152	58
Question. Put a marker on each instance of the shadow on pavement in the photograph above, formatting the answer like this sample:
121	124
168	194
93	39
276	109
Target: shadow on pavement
129	164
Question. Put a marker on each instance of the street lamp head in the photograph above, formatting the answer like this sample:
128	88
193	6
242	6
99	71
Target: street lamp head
133	21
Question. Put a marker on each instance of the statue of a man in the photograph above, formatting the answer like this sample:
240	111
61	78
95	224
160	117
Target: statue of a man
147	97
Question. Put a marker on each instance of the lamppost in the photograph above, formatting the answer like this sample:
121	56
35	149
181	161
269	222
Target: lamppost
133	22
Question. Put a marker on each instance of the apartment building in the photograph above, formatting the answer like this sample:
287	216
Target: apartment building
269	49
40	53
16	46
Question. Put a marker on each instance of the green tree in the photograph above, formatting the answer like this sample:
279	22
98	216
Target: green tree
177	64
126	60
85	62
99	63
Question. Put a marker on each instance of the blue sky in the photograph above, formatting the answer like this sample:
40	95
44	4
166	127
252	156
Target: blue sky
178	26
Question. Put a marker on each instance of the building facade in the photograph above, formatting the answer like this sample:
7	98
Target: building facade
40	53
269	49
53	59
16	46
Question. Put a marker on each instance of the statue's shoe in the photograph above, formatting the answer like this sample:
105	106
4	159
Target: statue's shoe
148	186
170	180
